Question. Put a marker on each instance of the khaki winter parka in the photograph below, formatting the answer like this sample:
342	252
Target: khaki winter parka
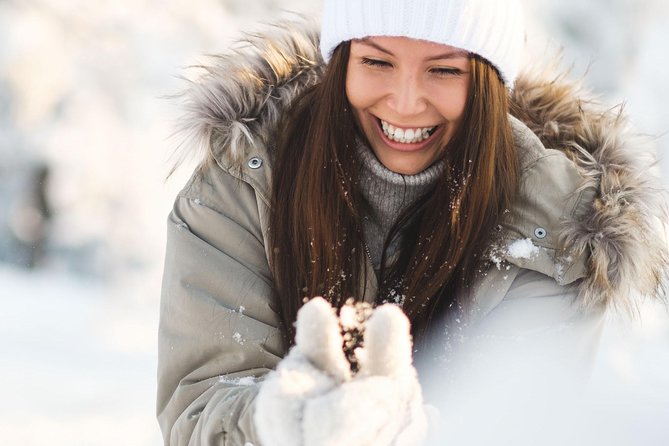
582	235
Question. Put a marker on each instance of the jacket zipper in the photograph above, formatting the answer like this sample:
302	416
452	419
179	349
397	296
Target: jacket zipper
369	255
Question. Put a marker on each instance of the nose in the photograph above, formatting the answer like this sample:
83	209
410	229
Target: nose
408	97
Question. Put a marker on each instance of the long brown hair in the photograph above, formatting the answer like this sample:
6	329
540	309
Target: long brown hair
315	227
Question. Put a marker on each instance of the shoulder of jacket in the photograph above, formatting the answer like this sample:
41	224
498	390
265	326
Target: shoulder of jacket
551	191
589	206
232	109
220	191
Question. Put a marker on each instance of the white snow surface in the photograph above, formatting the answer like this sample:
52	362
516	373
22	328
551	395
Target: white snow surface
78	360
79	348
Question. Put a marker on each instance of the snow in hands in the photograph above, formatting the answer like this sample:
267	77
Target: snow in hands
352	319
341	366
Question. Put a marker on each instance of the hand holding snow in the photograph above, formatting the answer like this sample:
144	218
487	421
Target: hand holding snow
314	399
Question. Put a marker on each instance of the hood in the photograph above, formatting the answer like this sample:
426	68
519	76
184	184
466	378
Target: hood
621	232
234	105
233	108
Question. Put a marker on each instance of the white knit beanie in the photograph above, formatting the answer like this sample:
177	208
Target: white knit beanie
493	29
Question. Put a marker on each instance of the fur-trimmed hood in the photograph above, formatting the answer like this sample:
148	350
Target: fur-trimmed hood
608	226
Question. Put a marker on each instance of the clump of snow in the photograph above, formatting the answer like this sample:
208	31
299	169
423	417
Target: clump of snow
353	317
347	318
522	249
238	338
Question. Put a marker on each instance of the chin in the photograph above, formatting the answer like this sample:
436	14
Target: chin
404	167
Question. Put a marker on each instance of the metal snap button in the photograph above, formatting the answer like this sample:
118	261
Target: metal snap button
540	233
255	163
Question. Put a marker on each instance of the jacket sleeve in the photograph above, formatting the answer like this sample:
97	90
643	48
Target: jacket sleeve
536	336
219	329
538	311
522	371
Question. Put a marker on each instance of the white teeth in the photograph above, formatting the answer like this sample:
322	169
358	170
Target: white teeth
406	136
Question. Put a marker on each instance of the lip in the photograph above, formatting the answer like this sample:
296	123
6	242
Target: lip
402	147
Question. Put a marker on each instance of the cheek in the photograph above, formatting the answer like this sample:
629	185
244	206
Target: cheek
358	89
453	102
356	97
353	94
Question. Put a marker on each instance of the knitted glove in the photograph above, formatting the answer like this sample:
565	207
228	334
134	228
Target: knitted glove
313	398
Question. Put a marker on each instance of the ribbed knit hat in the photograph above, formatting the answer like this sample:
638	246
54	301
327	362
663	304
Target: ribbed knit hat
493	29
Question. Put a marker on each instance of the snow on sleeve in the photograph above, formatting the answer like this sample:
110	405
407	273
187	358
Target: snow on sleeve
243	381
238	338
522	249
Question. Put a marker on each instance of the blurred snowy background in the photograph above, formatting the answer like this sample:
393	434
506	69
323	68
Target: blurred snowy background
84	148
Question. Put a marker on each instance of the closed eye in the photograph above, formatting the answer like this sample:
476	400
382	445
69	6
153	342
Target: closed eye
443	71
375	63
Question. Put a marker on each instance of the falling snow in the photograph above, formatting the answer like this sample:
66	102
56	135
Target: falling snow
111	164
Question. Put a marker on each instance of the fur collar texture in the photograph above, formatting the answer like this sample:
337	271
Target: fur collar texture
233	109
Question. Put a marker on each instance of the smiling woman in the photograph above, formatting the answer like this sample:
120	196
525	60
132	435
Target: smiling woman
395	161
376	200
408	97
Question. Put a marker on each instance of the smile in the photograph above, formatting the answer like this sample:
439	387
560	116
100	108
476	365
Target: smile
406	135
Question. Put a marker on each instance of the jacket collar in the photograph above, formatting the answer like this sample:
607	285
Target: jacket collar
610	234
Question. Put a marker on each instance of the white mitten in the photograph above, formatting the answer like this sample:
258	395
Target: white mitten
313	399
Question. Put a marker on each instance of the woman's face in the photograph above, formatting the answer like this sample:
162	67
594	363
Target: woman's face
408	97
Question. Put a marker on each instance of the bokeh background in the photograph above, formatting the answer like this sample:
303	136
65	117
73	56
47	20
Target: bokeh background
85	125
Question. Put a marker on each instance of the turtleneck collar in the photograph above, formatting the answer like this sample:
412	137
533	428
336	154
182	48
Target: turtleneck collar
386	194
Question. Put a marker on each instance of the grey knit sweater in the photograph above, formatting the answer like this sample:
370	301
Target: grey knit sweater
386	194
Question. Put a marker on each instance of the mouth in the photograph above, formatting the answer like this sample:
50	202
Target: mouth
406	135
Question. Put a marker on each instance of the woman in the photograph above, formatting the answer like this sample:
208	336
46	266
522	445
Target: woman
410	164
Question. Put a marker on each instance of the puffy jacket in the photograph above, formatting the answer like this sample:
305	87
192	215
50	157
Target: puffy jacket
582	235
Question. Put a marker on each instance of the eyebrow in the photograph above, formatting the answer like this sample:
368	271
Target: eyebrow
452	54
